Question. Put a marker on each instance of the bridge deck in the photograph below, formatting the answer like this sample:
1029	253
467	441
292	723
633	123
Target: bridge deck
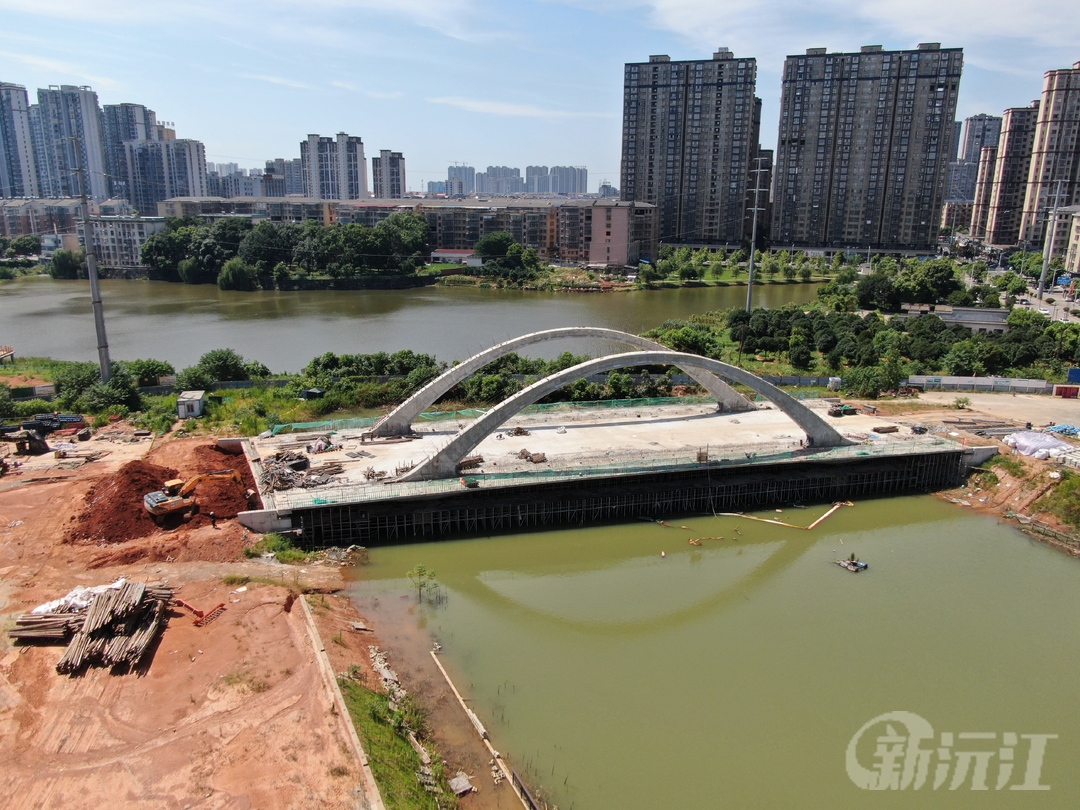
582	445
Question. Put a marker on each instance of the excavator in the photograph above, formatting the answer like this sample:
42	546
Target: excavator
178	495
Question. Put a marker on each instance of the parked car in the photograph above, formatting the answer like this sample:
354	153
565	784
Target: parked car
1044	311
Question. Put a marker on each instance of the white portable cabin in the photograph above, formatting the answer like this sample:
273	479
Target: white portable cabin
191	404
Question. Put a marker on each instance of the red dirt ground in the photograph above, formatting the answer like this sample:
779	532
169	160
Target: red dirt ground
114	510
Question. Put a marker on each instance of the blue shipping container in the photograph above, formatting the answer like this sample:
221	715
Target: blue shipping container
1074	375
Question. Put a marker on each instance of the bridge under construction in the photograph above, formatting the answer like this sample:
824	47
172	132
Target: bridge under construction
521	466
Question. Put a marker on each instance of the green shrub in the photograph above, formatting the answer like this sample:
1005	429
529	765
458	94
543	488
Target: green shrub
280	546
1010	464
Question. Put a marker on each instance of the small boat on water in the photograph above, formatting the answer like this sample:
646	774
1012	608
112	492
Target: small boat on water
855	566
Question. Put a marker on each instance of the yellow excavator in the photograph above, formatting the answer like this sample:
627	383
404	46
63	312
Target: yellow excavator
178	495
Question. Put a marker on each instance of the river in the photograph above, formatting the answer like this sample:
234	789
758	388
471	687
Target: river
284	330
735	674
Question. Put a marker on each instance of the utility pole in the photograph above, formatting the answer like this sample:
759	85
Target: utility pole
1048	240
92	268
753	235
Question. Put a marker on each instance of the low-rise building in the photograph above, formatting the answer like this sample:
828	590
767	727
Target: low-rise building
592	231
118	241
28	217
977	319
275	209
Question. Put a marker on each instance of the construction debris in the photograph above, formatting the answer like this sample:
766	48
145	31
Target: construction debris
471	462
108	626
517	431
287	469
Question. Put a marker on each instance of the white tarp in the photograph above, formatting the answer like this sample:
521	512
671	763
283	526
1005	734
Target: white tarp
1033	443
79	598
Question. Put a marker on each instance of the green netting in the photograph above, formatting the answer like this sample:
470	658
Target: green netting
475	413
328	425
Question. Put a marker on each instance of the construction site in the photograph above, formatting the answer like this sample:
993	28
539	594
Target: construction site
567	464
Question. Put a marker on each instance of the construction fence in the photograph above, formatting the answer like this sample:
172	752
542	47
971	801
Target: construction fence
1003	385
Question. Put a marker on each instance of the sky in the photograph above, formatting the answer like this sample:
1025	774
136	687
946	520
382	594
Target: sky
481	82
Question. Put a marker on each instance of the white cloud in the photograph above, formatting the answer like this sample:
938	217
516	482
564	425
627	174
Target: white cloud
458	19
509	109
59	67
261	77
777	27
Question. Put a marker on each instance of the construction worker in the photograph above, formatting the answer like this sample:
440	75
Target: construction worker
213	520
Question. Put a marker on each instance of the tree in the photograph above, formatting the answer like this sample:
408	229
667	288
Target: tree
72	379
68	264
204	259
421	577
620	385
799	351
863	382
163	252
229	233
268	244
223	365
494	245
237	275
147	372
26	245
194	378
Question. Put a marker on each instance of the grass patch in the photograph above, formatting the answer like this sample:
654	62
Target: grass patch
1064	500
280	546
245	682
1010	464
235	579
392	758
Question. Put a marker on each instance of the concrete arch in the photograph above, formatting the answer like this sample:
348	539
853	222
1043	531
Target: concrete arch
399	420
444	463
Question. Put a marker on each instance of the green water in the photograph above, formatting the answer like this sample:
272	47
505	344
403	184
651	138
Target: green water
180	322
734	674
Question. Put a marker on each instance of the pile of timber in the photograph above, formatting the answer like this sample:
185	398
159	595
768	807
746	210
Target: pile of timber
287	469
470	463
115	629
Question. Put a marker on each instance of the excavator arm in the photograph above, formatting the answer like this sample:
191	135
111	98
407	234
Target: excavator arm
190	485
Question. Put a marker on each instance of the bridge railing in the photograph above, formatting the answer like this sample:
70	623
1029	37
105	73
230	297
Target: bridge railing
578	468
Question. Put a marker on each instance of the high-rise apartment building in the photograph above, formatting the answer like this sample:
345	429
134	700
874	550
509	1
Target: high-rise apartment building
460	180
569	180
864	147
1055	161
979	131
121	123
984	185
334	168
18	169
1008	183
160	170
69	123
537	180
687	143
388	170
291	173
500	180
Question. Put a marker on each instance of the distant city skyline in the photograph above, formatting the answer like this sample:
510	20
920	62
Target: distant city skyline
474	81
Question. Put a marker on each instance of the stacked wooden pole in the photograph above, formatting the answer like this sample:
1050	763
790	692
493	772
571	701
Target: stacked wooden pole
115	629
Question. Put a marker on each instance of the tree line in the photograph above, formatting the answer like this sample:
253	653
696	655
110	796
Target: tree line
237	255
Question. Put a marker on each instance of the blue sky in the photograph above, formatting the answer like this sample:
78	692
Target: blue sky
483	82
